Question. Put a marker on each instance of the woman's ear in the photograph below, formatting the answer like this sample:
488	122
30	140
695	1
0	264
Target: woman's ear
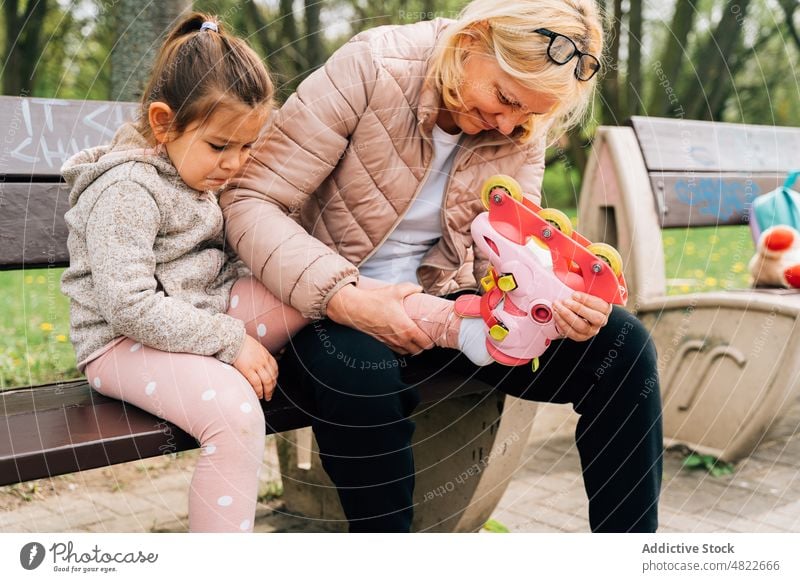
160	117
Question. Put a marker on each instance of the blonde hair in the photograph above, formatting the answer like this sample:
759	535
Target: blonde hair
504	30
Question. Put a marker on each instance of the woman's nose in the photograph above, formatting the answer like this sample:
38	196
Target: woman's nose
505	123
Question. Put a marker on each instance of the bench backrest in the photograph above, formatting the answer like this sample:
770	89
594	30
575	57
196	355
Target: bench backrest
704	173
40	134
662	173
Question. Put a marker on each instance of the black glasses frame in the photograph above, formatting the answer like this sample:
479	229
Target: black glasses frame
591	63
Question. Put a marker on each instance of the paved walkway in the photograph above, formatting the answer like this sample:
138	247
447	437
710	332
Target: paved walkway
546	495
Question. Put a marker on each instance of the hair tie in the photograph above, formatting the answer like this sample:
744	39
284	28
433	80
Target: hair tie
208	25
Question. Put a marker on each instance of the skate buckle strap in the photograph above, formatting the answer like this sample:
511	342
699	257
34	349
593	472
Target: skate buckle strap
490	280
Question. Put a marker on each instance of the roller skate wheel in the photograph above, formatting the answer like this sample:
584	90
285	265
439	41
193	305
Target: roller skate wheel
608	255
558	219
507	183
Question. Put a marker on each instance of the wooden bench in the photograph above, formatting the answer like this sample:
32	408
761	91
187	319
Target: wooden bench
729	360
65	427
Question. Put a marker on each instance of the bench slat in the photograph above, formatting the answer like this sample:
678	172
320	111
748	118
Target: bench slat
32	228
62	428
41	134
703	146
708	199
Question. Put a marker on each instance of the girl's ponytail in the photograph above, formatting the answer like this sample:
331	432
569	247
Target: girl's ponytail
200	66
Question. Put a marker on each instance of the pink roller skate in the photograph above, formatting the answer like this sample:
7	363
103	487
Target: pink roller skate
536	259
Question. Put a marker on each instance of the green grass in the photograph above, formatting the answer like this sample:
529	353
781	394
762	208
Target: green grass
708	258
34	327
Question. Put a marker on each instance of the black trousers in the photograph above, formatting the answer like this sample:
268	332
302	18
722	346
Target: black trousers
362	397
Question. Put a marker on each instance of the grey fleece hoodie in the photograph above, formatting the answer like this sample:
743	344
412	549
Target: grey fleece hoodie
146	255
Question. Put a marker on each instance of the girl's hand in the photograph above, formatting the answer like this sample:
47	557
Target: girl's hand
582	317
258	366
380	313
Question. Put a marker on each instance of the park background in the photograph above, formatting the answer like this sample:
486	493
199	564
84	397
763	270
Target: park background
684	59
680	59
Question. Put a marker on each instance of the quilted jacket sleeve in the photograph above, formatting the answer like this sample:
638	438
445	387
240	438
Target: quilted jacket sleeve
308	137
531	173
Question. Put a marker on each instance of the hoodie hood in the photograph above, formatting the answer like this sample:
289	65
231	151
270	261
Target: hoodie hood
128	145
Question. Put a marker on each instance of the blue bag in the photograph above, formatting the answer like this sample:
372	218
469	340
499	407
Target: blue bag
781	206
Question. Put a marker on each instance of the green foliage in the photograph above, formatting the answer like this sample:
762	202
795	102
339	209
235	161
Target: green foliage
717	468
493	526
561	186
34	329
269	491
76	39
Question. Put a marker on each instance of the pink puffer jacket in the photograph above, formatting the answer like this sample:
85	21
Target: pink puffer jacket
343	161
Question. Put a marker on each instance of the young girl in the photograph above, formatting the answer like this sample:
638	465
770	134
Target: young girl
162	316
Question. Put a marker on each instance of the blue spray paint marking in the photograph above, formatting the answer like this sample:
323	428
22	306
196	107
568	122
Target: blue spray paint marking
717	197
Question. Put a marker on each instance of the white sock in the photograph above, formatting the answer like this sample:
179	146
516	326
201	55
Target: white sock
472	341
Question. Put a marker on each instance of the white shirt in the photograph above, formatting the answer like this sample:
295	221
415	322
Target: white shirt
399	256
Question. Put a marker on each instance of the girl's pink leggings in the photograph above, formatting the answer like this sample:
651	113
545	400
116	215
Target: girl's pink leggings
214	403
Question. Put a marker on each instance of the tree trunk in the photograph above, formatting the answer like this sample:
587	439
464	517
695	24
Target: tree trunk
257	29
23	45
288	24
715	57
315	53
609	89
634	79
789	7
141	27
663	94
287	62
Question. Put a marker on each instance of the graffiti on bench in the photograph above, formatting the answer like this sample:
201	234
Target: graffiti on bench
718	197
41	134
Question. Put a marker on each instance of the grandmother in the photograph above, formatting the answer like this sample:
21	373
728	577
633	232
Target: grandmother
374	167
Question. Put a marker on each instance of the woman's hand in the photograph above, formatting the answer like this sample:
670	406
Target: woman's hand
258	367
380	313
581	317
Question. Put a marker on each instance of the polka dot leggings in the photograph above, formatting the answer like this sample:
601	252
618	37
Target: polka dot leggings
214	403
211	401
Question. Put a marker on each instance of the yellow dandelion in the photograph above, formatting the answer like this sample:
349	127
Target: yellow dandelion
714	257
711	282
29	279
713	239
738	267
46	326
61	338
684	288
669	241
40	279
698	273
